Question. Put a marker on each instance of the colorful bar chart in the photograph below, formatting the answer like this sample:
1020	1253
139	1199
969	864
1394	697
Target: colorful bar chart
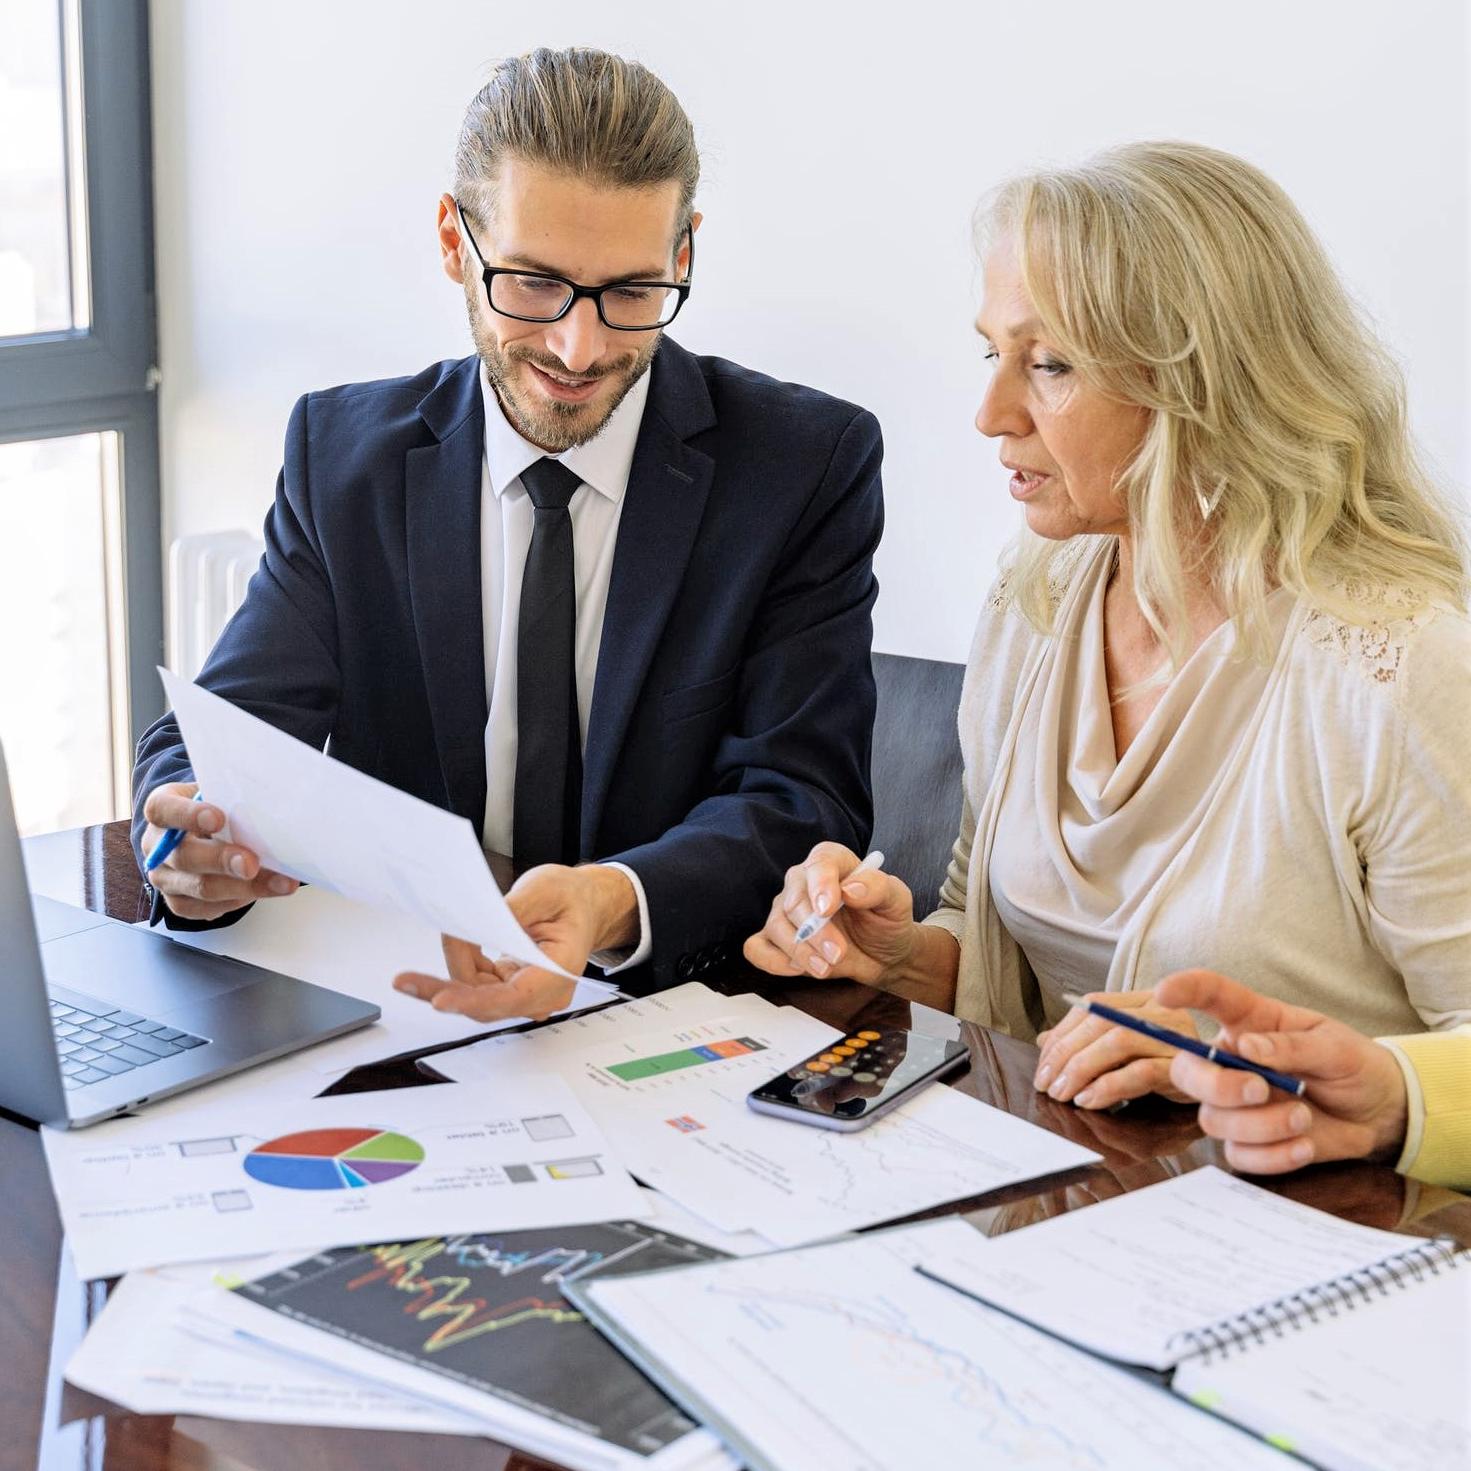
636	1070
334	1159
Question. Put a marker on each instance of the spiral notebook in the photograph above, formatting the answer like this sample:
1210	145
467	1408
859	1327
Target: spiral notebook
1348	1345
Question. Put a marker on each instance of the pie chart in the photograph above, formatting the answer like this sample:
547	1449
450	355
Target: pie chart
334	1159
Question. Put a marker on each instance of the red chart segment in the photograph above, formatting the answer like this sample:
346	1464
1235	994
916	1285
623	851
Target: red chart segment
334	1159
317	1142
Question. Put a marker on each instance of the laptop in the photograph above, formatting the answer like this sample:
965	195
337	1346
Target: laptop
101	1017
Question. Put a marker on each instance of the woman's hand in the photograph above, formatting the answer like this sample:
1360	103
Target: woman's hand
1096	1064
871	939
1355	1104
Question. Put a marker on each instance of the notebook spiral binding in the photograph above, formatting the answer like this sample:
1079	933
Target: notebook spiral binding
1327	1299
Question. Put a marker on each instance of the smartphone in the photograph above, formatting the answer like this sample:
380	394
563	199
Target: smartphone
856	1080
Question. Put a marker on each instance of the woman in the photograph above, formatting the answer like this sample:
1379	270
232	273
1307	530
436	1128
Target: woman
1216	710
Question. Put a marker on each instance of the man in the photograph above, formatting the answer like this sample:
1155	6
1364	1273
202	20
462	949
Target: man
608	600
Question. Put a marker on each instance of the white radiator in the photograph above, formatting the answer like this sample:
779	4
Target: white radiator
207	577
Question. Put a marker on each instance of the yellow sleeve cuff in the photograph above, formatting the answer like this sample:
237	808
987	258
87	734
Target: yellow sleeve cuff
1437	1067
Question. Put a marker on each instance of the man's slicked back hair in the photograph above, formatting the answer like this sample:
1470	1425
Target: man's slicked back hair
581	112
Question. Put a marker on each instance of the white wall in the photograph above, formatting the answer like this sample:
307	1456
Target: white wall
301	148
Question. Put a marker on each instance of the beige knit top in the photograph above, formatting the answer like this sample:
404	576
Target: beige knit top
1304	827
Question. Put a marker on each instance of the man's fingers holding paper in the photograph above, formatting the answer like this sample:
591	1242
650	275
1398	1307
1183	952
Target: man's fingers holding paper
489	990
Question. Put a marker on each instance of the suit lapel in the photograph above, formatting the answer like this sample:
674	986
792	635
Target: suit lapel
667	486
442	523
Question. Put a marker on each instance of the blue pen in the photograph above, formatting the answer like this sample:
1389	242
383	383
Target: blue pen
1218	1055
167	843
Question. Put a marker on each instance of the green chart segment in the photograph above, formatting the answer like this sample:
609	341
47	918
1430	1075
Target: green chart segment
671	1062
334	1159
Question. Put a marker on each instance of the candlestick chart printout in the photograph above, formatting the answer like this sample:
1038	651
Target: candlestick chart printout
488	1312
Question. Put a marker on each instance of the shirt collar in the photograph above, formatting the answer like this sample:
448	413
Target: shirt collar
604	462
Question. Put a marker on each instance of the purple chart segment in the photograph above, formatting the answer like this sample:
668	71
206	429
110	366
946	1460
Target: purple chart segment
376	1171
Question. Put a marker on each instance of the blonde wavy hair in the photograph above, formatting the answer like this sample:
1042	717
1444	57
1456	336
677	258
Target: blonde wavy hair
1277	453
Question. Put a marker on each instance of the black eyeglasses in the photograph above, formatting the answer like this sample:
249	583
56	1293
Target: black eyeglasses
625	306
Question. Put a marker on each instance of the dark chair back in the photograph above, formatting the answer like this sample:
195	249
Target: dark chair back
916	771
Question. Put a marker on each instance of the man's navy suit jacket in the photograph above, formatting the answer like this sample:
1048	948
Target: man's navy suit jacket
733	705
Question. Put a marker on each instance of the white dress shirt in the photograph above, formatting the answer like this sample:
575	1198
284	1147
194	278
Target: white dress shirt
506	515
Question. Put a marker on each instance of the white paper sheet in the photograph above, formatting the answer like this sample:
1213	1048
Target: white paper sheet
1131	1276
321	821
843	1355
471	1157
151	1353
321	937
690	1134
552	1046
669	1215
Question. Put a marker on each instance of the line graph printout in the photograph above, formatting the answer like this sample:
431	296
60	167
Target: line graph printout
843	1355
489	1312
690	1133
355	1167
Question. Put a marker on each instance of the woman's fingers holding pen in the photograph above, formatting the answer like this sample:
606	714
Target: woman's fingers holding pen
814	887
870	920
775	949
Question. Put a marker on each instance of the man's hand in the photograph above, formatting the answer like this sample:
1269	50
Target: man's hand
1096	1064
1355	1105
569	912
204	877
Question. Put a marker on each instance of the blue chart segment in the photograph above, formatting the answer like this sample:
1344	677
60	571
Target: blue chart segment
334	1159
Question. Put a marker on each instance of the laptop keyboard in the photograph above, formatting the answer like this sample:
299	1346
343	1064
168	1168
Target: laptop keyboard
97	1041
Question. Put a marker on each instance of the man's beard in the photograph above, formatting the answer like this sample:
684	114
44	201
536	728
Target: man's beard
553	426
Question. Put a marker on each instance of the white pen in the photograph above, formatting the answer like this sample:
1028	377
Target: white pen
814	923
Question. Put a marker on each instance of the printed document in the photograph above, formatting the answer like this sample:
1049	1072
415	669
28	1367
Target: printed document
671	1099
332	1171
843	1355
327	824
152	1353
156	1349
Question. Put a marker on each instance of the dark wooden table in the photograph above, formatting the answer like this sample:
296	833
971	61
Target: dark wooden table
45	1423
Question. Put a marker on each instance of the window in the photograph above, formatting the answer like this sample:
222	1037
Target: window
80	580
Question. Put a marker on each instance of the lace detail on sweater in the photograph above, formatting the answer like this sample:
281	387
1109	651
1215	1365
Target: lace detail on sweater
1374	649
1065	567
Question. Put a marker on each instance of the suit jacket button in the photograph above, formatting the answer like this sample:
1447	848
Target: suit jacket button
685	967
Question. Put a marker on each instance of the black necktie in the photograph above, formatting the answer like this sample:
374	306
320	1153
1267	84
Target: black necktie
548	740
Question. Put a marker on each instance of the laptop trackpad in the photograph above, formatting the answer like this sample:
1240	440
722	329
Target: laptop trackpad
139	971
